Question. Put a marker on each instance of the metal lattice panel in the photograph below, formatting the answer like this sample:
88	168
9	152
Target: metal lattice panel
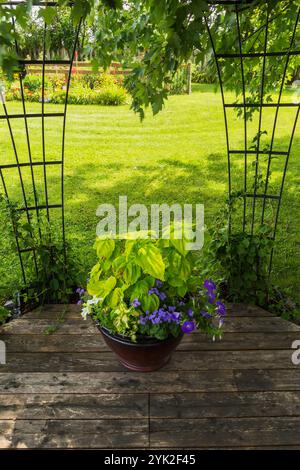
254	213
41	204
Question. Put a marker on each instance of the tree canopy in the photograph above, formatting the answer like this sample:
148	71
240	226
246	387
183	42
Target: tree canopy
155	38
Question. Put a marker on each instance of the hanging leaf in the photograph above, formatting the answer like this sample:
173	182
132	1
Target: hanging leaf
47	14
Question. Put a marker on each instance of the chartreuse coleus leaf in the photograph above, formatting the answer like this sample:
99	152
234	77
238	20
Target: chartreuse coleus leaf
150	260
101	288
104	247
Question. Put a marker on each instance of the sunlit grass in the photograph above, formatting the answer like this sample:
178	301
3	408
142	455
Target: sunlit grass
176	156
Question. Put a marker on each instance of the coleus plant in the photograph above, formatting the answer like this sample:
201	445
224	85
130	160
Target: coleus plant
148	287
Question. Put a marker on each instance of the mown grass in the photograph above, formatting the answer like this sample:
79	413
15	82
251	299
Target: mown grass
176	156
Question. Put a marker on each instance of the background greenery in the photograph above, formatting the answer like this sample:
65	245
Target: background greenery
176	156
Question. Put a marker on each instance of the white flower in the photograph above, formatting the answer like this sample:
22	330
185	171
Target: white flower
88	306
94	301
85	312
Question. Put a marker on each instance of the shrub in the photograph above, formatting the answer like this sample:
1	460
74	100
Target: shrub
180	82
87	89
202	74
33	83
94	81
107	96
4	314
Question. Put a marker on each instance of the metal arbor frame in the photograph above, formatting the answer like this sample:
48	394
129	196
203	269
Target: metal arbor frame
241	55
251	215
36	209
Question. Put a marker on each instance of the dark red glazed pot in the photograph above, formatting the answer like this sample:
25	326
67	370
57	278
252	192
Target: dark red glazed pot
146	355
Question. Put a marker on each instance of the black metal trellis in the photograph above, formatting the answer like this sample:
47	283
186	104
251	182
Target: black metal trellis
32	164
250	218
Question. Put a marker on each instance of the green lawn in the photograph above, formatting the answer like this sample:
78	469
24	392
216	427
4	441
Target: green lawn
177	156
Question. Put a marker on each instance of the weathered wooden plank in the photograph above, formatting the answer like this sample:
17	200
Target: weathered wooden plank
40	326
53	311
181	360
74	433
73	311
190	433
74	406
243	310
266	325
224	405
117	382
54	343
259	380
240	341
87	327
192	342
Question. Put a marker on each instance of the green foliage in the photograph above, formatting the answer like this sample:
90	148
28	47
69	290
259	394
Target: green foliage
133	266
203	74
179	83
241	259
55	272
100	91
4	315
156	38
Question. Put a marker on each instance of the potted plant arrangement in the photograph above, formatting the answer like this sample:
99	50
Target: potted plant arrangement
144	295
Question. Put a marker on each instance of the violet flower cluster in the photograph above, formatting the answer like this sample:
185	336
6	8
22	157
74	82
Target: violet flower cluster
170	314
211	289
80	291
162	315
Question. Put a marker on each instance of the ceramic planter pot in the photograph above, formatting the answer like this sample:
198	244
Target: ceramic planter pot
146	355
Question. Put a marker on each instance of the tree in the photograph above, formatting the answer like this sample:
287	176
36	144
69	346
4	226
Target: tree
157	37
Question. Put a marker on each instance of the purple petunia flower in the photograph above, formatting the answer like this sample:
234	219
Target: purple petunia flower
205	314
175	316
211	297
162	296
188	327
209	285
181	303
80	291
158	283
153	290
143	320
79	302
190	313
221	309
136	303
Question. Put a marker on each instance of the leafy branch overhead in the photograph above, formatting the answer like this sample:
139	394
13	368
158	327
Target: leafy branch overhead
155	38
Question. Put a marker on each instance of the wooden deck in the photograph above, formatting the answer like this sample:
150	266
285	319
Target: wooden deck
68	390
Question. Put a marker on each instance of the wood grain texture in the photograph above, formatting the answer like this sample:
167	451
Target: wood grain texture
73	406
67	390
74	433
224	404
209	432
105	361
195	342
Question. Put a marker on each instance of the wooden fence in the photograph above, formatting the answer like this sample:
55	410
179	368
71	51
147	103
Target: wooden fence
84	68
80	68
